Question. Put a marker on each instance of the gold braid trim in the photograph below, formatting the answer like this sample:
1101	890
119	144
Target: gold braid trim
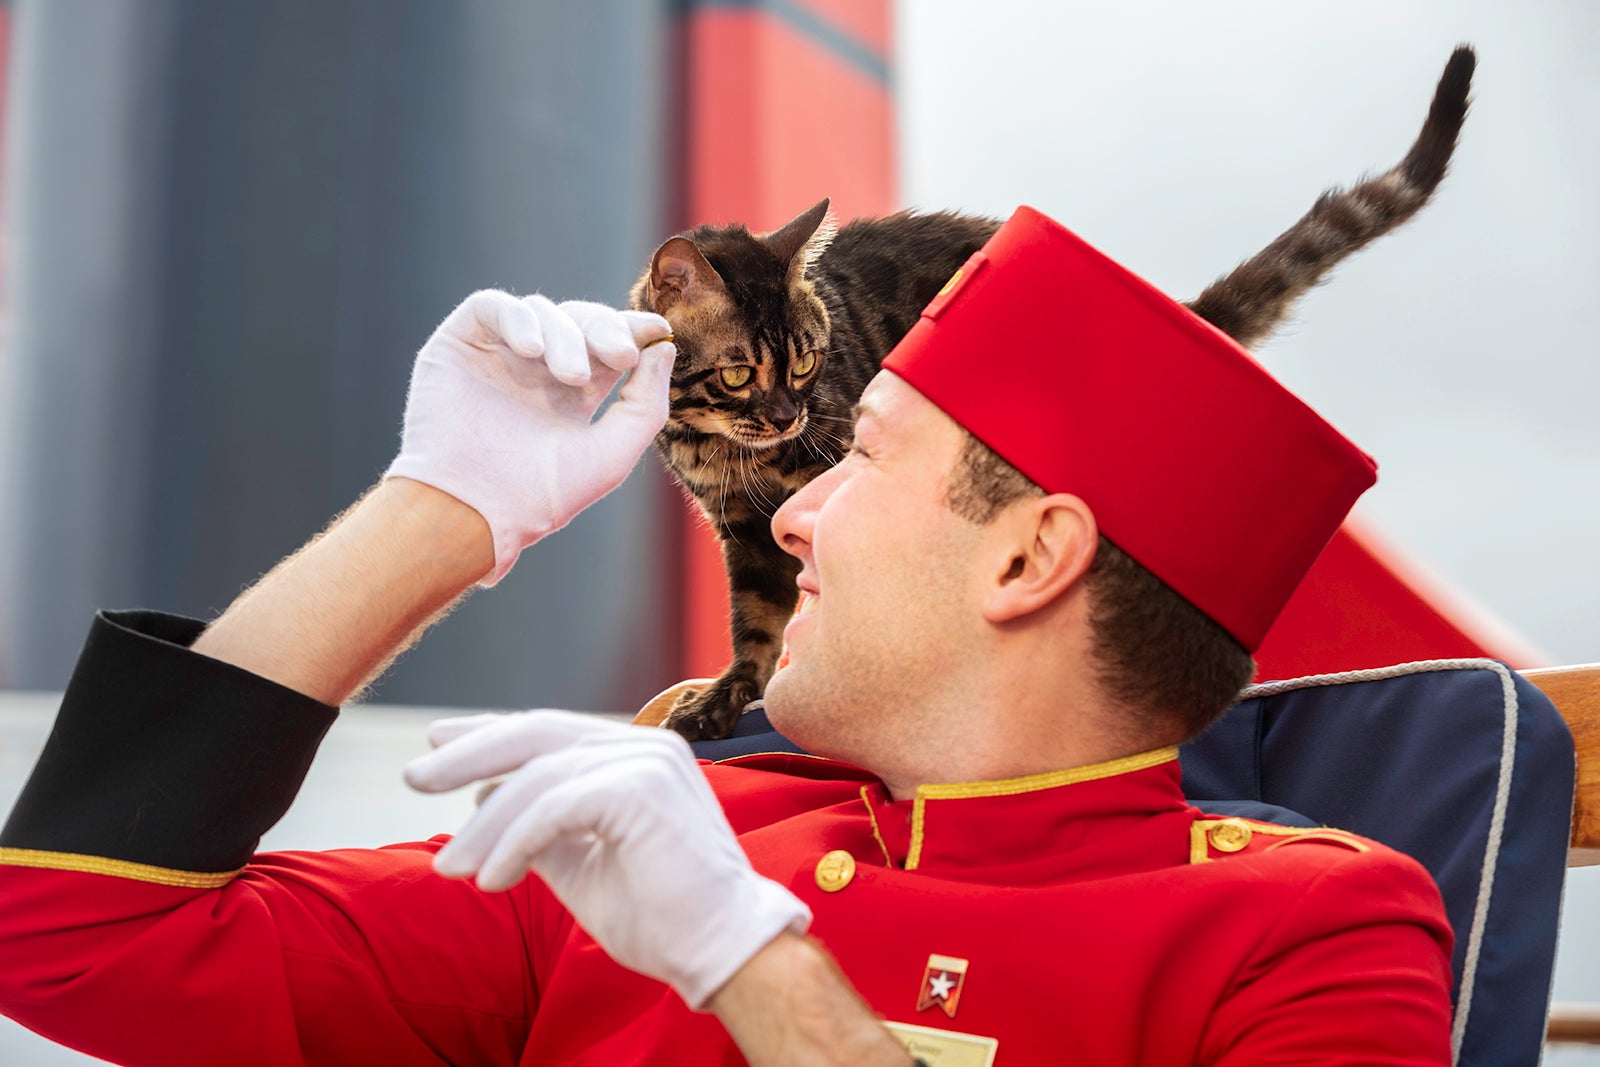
138	872
1200	836
876	836
1005	787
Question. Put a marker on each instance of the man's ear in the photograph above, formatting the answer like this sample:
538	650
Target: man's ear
1043	548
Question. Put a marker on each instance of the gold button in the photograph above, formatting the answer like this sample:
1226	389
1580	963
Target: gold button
835	870
1229	836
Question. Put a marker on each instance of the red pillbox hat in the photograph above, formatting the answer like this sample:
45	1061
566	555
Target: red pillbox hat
1195	461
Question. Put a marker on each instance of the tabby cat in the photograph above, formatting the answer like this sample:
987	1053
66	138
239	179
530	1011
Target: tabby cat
778	334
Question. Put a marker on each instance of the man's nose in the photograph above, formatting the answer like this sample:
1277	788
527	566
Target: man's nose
793	522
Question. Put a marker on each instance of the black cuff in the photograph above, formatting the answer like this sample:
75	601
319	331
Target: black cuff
164	756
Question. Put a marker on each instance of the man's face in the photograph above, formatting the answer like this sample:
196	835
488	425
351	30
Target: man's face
889	568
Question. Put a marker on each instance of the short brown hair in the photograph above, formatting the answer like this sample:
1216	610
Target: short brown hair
1157	653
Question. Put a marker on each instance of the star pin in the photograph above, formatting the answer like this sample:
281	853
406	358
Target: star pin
942	981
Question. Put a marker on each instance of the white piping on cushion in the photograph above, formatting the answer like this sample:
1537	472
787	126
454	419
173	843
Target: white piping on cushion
1502	796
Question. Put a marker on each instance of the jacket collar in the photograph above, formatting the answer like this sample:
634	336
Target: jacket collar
1019	820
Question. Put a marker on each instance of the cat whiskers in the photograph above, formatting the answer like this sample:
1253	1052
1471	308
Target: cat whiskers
757	491
843	420
722	487
738	457
839	441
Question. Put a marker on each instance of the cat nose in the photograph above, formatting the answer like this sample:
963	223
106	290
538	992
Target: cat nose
782	412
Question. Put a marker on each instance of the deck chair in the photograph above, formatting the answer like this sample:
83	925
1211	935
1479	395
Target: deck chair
1466	765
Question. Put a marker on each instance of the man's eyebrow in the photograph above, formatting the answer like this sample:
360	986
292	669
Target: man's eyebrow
860	410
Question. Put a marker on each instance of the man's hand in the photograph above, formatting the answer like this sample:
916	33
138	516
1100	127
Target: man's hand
500	413
621	824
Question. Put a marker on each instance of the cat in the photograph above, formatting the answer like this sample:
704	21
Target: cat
778	334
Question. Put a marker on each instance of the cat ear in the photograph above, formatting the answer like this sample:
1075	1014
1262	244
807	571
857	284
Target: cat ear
679	273
803	239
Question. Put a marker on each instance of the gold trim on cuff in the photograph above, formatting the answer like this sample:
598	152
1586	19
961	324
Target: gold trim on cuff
138	872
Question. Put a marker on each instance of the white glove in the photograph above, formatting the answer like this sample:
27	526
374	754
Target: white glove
500	414
621	824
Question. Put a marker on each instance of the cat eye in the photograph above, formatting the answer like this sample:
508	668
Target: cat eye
805	364
735	377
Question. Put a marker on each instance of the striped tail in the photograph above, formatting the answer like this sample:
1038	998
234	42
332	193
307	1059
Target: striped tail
1251	301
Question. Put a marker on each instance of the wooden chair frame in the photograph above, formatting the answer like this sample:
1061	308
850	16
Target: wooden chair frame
1575	691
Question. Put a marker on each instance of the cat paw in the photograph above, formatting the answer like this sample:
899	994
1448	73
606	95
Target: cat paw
710	714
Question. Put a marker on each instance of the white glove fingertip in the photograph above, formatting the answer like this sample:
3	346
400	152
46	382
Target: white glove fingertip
565	352
443	731
647	327
496	745
563	813
464	854
422	775
562	855
449	767
606	332
497	317
661	355
456	865
504	868
522	330
643	401
628	426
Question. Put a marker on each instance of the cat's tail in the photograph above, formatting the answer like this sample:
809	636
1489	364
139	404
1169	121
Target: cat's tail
1248	303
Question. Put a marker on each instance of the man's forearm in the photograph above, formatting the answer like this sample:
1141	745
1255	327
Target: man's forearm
791	1005
329	618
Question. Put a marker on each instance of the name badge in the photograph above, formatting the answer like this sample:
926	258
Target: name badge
944	1048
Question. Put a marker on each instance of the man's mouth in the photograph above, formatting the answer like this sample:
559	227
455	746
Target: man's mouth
807	605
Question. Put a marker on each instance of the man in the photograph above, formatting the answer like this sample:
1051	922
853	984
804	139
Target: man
1013	875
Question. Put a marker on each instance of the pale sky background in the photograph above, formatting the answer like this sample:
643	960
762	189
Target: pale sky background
1461	351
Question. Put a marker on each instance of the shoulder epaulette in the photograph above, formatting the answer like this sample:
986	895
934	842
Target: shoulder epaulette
1211	839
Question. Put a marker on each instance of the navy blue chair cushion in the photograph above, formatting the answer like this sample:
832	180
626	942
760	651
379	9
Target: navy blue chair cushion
1462	764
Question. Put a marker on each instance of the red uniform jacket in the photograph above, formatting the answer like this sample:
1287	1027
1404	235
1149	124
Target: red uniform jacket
1086	917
